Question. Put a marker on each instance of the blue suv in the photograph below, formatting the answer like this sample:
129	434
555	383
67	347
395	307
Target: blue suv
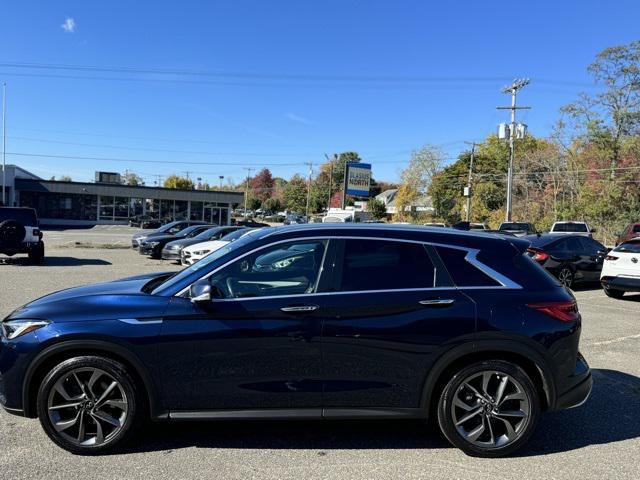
307	322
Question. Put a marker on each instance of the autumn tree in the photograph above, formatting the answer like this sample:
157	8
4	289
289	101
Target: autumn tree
262	185
178	182
417	177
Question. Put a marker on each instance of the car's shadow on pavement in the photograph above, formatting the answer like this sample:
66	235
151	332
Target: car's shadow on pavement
57	261
610	415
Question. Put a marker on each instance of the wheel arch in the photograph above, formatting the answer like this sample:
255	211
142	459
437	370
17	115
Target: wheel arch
524	356
59	352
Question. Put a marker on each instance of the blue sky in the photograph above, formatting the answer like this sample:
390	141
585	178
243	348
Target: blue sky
284	82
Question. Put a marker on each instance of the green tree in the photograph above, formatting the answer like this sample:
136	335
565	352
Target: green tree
178	182
377	208
295	194
130	178
273	205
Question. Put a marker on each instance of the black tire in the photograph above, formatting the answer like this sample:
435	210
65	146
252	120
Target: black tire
82	367
36	256
613	293
524	427
11	233
566	276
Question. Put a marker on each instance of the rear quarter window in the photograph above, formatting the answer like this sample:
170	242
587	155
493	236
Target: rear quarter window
26	216
463	273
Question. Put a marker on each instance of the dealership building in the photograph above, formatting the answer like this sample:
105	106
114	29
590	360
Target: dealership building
107	201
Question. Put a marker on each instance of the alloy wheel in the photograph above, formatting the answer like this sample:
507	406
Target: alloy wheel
490	409
566	277
87	406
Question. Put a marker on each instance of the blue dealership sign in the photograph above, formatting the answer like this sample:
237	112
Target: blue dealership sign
358	179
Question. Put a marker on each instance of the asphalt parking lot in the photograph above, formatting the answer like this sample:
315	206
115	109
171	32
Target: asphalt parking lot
598	440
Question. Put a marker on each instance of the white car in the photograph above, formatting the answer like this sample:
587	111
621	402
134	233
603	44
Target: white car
194	253
572	228
621	269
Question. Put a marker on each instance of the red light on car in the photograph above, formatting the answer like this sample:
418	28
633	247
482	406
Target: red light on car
563	311
611	258
537	254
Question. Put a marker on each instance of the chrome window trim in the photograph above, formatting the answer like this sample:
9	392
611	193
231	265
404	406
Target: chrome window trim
471	257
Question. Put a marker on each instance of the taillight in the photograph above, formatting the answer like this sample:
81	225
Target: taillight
563	311
611	258
537	254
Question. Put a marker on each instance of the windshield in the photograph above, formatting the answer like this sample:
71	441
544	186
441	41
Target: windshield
167	227
247	237
207	234
570	227
187	231
230	237
514	226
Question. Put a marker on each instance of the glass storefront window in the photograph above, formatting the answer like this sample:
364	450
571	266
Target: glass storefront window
58	205
181	209
121	208
196	211
152	208
166	210
106	208
224	216
135	206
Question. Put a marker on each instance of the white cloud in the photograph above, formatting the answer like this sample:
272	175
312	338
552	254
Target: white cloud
298	119
69	25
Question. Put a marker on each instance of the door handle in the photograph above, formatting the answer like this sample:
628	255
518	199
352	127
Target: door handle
299	308
437	302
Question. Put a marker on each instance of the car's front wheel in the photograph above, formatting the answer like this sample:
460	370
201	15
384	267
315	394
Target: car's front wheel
489	409
89	405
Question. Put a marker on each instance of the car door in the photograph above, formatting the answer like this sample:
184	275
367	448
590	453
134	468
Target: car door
392	314
256	344
594	253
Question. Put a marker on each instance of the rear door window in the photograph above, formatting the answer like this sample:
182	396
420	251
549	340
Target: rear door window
384	265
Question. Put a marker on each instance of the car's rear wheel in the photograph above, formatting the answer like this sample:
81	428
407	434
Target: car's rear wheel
89	405
613	293
566	277
489	409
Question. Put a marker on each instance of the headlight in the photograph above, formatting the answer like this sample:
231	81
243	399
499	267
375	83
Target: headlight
16	328
153	244
173	247
201	252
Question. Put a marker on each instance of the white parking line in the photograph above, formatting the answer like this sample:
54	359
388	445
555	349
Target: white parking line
614	340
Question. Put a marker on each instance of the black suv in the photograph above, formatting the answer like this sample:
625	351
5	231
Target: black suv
20	233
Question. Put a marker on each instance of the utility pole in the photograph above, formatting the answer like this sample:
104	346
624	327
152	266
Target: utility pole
246	190
310	164
331	160
4	141
517	84
473	149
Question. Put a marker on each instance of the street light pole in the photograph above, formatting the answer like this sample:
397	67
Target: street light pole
513	90
4	141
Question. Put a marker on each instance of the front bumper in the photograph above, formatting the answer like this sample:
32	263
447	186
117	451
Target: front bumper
26	247
626	284
148	250
171	255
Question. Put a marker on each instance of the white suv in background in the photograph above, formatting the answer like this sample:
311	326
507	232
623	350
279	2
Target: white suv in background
621	269
20	233
572	228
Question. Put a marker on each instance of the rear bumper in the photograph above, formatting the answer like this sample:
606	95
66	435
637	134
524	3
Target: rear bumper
626	284
580	389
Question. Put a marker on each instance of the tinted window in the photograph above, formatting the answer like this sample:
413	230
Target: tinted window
591	246
26	216
230	237
514	226
284	269
636	229
570	227
463	273
628	247
385	265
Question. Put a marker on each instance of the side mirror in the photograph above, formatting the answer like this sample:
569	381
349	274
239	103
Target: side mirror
200	291
593	230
